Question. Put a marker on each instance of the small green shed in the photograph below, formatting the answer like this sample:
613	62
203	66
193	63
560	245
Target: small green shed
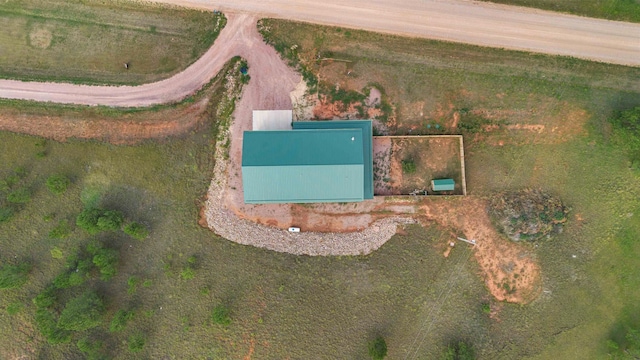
443	185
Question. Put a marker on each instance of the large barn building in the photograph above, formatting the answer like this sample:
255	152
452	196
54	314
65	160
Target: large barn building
313	161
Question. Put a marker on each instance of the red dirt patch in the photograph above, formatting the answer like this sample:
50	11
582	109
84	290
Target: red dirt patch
510	271
127	130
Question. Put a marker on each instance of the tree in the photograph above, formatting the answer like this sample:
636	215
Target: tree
110	220
378	348
88	220
14	276
106	260
82	313
58	184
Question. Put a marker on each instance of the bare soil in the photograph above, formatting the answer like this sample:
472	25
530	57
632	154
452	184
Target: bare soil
127	130
510	270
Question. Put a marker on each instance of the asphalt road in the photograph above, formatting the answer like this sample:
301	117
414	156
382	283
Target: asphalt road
453	20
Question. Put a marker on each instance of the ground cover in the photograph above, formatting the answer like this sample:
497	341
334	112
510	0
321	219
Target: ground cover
529	121
90	41
624	10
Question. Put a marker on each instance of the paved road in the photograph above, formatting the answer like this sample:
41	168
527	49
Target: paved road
454	20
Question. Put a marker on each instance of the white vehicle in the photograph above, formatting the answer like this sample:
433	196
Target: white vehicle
294	229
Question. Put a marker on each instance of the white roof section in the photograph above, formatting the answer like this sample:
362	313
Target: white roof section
272	120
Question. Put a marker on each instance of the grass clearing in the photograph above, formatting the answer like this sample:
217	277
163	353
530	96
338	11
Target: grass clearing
90	41
623	10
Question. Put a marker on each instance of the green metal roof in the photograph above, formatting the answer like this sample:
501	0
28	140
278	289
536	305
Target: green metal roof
303	184
443	185
315	165
367	143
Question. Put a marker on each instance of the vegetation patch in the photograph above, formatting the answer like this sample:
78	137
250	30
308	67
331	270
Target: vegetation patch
527	214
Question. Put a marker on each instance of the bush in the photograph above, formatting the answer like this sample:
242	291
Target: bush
136	342
110	220
58	184
220	315
120	320
82	313
14	276
61	231
106	261
46	298
95	220
92	349
187	273
46	323
459	351
527	214
88	220
19	196
378	348
136	230
408	166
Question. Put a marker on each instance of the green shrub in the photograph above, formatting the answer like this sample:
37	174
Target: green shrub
46	299
136	342
82	313
58	184
136	230
220	315
14	276
110	220
88	220
60	231
120	320
106	261
47	325
92	349
56	253
486	308
19	196
378	348
132	283
459	351
187	273
408	166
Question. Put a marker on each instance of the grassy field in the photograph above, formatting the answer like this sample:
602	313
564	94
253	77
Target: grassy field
89	41
624	10
529	121
284	306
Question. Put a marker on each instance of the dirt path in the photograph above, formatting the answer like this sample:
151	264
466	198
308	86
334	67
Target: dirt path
229	43
454	20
